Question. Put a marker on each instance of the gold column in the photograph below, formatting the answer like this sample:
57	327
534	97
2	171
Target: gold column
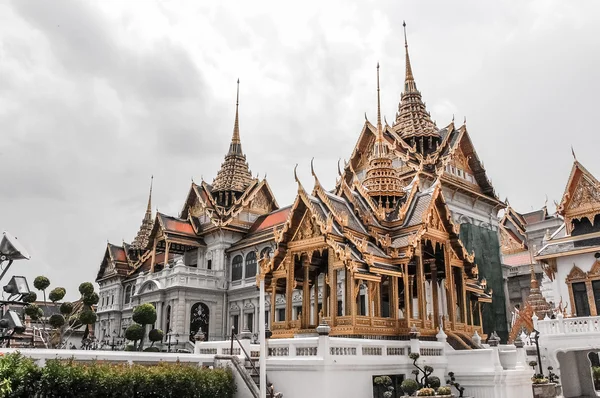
316	302
289	290
153	256
434	294
394	297
407	296
353	296
450	298
421	288
411	283
325	299
167	246
273	301
306	295
464	295
591	298
480	318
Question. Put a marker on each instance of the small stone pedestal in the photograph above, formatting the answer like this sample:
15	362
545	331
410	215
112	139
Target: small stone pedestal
547	390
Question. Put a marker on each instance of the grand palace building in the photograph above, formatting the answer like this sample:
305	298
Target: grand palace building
408	236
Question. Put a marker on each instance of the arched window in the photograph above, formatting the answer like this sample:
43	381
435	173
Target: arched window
168	320
266	252
251	264
236	268
199	319
128	294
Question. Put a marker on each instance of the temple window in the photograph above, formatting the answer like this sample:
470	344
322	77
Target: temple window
584	290
280	315
251	264
209	264
235	319
237	268
582	305
127	294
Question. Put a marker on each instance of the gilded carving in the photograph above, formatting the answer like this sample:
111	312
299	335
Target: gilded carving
585	194
260	202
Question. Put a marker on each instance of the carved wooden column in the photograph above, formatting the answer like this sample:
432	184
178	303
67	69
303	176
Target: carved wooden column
434	294
451	300
273	301
153	256
421	288
464	295
325	296
407	296
394	300
591	298
167	246
306	294
352	294
289	290
332	290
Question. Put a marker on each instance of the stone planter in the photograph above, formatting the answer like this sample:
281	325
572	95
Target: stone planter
547	390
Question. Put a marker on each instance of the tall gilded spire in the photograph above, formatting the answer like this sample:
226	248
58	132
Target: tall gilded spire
234	174
141	239
379	131
412	118
409	80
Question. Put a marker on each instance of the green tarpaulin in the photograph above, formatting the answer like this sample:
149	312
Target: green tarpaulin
484	243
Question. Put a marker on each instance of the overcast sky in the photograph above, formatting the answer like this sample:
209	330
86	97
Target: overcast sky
95	97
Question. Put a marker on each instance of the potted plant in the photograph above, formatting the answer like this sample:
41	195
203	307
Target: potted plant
426	392
409	386
444	391
541	386
382	385
553	378
452	382
596	375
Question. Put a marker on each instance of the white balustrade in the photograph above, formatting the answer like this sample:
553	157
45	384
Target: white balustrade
583	324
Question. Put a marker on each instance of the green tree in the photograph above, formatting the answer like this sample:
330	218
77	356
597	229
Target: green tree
144	314
135	333
155	335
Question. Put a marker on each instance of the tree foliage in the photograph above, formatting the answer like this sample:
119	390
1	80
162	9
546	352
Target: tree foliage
34	312
144	314
91	299
66	308
57	294
86	288
41	283
134	332
87	317
30	297
56	321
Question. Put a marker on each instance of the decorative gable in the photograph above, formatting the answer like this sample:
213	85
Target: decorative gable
581	198
576	275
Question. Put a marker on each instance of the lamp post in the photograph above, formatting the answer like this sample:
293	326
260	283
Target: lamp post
537	348
114	334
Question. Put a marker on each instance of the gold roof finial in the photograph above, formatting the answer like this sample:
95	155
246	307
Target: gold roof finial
149	209
409	82
379	134
573	152
236	124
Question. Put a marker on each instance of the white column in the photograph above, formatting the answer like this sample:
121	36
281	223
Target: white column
263	347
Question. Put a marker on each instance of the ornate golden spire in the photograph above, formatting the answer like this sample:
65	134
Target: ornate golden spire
234	174
381	181
141	239
412	118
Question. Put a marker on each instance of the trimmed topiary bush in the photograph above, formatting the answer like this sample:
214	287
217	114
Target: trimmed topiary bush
91	299
433	382
426	392
444	390
134	332
155	335
66	308
30	297
41	283
144	314
151	349
34	312
87	317
56	321
86	288
409	386
57	294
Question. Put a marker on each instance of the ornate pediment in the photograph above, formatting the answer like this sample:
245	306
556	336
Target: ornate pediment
576	274
260	202
585	195
508	244
461	161
435	221
308	228
595	271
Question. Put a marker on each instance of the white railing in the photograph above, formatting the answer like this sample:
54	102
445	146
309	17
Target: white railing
560	325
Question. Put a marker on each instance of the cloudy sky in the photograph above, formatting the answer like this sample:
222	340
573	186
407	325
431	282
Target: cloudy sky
95	97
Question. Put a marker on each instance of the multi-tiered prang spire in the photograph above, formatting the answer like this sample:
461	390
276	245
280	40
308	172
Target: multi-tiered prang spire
141	239
413	122
381	181
234	176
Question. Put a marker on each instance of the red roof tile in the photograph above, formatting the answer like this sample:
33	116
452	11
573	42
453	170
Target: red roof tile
513	260
270	220
179	226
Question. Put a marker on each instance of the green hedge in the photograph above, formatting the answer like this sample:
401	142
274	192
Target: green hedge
65	378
